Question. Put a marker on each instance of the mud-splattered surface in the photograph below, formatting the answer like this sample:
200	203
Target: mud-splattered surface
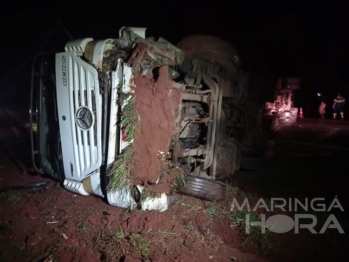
156	104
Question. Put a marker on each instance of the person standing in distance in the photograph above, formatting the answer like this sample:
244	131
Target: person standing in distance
338	106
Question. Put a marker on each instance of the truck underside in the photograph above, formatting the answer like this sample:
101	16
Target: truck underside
126	112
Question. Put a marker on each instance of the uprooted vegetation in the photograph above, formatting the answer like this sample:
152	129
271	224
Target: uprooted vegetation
114	245
121	170
130	119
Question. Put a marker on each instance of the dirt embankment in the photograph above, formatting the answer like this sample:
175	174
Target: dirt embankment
156	104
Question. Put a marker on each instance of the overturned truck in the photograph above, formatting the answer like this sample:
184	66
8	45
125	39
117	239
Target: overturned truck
133	120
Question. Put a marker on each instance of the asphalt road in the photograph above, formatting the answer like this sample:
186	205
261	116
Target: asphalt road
317	132
309	160
313	155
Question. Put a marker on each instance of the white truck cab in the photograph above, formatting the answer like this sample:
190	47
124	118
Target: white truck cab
76	107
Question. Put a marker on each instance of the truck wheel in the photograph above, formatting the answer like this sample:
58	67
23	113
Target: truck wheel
204	189
210	48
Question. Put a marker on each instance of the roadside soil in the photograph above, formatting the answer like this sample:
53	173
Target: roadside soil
55	222
156	103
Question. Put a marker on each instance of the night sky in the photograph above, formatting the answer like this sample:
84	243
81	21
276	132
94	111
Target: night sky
304	39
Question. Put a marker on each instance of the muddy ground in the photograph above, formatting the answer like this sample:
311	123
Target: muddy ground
53	221
67	227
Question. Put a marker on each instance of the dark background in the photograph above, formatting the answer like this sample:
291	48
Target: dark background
305	39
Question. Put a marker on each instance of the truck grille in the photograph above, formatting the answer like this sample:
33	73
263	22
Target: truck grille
83	94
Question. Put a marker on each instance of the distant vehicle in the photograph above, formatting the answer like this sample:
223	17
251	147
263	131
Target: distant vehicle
283	105
76	106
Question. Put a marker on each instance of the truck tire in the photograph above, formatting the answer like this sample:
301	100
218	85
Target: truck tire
211	48
204	189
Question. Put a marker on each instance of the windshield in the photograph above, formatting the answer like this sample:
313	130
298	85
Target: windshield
45	135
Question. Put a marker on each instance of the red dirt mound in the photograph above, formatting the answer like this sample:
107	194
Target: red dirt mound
156	104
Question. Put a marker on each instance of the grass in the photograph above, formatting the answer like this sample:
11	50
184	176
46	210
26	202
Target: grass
130	119
12	251
191	207
82	226
233	191
214	211
119	235
122	97
188	226
179	56
58	190
121	170
106	242
10	197
169	234
114	244
252	234
179	181
148	194
140	244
